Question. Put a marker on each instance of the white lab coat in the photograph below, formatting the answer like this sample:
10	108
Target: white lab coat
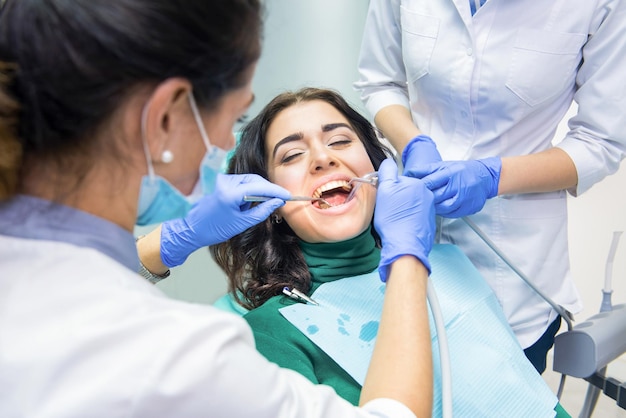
498	83
82	335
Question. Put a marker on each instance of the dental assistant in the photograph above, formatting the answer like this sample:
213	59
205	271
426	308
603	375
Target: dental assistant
113	112
489	81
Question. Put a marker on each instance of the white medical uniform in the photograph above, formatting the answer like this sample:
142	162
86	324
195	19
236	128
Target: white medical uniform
498	83
83	335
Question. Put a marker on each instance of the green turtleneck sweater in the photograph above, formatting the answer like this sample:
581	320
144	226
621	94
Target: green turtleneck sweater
283	344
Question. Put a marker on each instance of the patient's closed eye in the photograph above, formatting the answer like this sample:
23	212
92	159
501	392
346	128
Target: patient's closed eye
290	156
339	141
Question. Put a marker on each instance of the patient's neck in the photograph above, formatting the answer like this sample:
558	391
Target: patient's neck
332	261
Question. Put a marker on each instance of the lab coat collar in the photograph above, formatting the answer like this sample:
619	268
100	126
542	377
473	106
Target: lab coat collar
33	218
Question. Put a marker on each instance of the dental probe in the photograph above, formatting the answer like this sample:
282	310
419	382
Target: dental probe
291	199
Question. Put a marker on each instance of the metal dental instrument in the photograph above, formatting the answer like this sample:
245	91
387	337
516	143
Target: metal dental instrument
369	178
291	199
298	295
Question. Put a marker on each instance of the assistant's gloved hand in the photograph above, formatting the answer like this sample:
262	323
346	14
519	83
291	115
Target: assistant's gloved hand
404	217
219	216
419	152
460	187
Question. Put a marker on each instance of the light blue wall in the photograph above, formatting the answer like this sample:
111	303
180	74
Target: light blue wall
307	43
310	43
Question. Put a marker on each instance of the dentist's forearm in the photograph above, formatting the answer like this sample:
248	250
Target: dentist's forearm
401	364
545	171
396	124
149	249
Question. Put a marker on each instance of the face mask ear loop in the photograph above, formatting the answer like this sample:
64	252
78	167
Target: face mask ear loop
146	151
196	115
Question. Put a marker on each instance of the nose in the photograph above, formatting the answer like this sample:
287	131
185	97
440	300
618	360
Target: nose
322	159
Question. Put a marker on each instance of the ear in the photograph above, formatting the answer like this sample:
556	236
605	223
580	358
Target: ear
168	102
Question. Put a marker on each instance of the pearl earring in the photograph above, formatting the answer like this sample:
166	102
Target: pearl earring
167	156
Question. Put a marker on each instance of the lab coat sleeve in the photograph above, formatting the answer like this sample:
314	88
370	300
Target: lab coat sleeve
382	78
596	141
208	366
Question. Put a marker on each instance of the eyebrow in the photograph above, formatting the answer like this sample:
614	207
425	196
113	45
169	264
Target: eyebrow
290	138
299	135
331	126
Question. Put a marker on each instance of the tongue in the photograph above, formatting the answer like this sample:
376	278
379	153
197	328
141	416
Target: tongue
335	198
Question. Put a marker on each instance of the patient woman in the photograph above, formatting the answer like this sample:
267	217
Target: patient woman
311	142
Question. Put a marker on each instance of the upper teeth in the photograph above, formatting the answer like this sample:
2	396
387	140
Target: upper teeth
332	185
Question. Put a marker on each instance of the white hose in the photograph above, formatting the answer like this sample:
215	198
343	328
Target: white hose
444	352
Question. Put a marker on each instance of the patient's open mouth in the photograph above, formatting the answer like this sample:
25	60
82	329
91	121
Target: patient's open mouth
333	192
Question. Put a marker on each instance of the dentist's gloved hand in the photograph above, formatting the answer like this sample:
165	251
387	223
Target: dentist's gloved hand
219	216
460	187
404	217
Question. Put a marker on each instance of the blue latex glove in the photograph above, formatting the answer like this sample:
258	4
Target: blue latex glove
404	217
420	151
219	216
461	188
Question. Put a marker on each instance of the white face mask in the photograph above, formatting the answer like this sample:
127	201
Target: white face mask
159	201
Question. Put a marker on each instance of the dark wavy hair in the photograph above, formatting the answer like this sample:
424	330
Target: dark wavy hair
265	258
67	66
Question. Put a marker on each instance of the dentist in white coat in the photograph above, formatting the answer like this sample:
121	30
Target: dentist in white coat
489	81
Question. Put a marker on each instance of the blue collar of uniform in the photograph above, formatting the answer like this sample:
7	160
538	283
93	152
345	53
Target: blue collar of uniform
34	218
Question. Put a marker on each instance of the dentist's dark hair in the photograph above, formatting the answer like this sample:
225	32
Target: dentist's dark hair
265	258
67	66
